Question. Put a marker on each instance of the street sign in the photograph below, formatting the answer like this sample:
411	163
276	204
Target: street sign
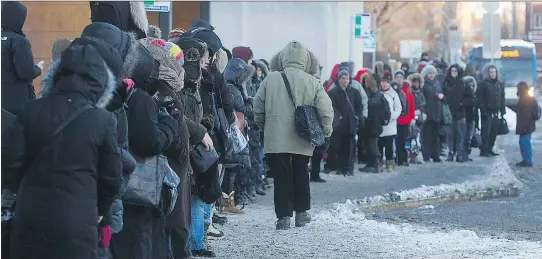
535	36
491	36
362	25
369	44
157	6
410	48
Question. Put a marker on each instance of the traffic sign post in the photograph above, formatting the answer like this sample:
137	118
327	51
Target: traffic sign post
369	44
362	25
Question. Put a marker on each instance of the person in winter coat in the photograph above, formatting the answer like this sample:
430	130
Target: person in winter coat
490	99
405	122
18	69
151	133
75	168
374	124
261	72
433	109
389	131
288	153
244	53
458	96
347	110
127	16
526	124
417	82
332	78
472	117
406	69
360	73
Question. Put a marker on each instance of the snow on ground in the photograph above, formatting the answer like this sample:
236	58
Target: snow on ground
510	117
499	176
344	232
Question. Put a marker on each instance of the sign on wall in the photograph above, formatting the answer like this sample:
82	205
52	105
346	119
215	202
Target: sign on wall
157	6
362	25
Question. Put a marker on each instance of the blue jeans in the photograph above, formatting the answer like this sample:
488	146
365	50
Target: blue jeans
207	214
197	229
526	149
262	167
468	137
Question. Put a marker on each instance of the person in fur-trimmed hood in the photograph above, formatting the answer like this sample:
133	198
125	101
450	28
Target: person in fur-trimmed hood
127	16
471	115
288	154
259	75
416	82
86	150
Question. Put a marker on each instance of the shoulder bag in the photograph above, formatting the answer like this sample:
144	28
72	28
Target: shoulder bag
307	123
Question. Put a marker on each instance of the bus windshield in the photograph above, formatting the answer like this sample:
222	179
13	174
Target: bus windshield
512	71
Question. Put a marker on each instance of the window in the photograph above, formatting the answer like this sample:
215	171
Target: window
536	21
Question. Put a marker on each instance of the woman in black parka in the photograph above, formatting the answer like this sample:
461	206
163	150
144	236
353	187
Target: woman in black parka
68	182
18	69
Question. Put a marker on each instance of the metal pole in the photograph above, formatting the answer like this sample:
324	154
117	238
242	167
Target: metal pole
514	20
164	22
491	36
373	24
351	37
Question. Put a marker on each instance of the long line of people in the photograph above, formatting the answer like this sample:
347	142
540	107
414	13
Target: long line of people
121	114
433	110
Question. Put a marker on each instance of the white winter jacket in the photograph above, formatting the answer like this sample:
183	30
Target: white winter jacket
395	108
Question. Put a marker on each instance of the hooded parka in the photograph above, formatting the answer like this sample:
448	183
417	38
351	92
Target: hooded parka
273	108
71	179
127	16
18	69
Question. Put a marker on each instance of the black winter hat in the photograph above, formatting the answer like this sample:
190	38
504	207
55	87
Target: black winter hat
108	54
109	33
209	37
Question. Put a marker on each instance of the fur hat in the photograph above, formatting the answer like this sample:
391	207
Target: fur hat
428	69
170	70
154	31
59	46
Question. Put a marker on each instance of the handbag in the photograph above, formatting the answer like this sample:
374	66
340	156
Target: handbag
169	191
502	126
202	160
447	118
307	123
476	140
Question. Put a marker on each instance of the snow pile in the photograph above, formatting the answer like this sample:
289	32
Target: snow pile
500	177
511	119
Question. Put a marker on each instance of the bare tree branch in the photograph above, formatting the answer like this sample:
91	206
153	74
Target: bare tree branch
381	22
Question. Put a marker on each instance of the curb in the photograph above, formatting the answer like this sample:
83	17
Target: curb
481	195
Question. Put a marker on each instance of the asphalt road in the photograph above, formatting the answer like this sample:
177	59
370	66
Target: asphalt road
512	218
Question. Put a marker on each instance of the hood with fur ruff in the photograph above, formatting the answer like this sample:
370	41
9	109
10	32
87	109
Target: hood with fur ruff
238	72
259	64
76	64
414	76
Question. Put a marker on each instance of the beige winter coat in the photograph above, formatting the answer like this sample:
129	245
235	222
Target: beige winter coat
273	108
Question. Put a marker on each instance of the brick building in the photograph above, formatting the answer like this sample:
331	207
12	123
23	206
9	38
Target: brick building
533	25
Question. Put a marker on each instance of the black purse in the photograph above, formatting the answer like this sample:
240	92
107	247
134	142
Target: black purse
502	125
307	123
476	140
202	160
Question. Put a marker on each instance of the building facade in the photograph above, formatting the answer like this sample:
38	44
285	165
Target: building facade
533	25
47	21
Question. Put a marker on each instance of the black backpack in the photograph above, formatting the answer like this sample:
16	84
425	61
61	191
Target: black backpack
386	112
536	111
403	99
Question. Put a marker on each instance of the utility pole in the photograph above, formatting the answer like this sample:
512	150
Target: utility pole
514	20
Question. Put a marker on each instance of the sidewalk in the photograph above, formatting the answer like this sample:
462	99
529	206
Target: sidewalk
337	232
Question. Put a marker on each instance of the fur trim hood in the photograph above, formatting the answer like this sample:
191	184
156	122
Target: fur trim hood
238	72
139	15
78	60
379	69
259	64
154	31
415	76
295	55
470	81
221	60
369	82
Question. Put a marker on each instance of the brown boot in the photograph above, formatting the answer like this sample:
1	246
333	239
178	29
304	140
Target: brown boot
380	167
389	166
228	201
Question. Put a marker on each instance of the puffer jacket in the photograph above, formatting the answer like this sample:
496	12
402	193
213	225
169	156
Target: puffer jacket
273	108
490	93
419	98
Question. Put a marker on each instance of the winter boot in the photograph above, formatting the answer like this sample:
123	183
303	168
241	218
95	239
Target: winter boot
283	223
302	218
389	166
219	220
213	233
228	201
415	160
450	158
380	167
251	190
259	189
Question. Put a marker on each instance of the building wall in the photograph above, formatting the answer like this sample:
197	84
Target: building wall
48	21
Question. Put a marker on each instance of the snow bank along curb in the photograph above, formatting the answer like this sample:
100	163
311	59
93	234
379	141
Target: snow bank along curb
499	182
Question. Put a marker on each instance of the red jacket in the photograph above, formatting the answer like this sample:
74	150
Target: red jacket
333	77
360	73
411	115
